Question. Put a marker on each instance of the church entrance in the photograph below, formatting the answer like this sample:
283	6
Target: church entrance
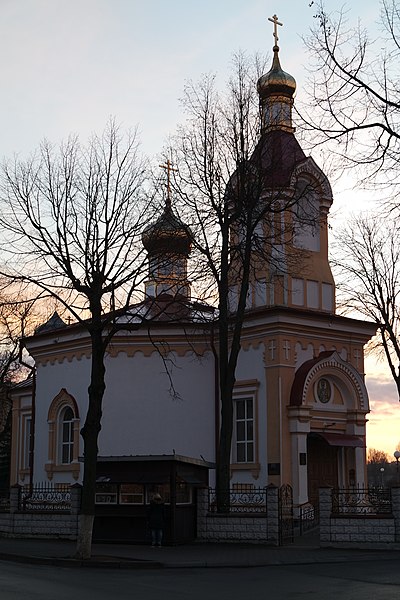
322	467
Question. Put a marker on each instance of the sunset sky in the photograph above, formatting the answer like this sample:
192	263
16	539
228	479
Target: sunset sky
68	65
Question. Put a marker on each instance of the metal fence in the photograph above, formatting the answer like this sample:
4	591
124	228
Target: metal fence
4	499
241	500
45	497
362	501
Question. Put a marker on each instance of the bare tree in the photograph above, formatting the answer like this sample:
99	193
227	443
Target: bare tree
17	318
226	192
377	457
367	260
71	223
353	101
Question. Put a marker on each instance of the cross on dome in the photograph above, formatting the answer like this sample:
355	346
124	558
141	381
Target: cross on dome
275	21
168	167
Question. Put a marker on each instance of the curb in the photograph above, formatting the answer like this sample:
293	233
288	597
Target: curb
110	563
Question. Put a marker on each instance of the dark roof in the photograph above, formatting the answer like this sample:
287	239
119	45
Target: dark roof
55	322
276	155
26	383
157	458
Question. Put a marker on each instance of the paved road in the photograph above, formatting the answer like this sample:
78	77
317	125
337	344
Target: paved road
378	580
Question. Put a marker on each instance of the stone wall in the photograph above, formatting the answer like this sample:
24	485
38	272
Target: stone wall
361	531
46	524
238	527
356	531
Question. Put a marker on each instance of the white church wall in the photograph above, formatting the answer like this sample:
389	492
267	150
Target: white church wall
141	415
51	378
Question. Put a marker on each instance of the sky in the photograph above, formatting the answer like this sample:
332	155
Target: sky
67	66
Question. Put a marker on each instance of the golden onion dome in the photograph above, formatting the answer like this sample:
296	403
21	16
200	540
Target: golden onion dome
276	81
168	234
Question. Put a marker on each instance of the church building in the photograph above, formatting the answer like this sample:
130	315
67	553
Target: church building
300	401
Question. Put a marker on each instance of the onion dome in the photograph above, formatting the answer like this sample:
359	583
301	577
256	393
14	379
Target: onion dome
168	242
276	90
167	235
276	81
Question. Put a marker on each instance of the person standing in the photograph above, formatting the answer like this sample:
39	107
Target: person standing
156	517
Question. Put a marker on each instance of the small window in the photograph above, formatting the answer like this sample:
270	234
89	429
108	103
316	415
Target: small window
106	493
297	292
131	493
183	493
162	489
327	296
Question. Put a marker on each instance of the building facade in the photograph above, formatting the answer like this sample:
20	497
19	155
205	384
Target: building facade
300	401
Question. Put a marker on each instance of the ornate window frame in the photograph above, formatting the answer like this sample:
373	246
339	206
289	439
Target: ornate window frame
60	403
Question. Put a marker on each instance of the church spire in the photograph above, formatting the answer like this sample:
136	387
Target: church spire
276	89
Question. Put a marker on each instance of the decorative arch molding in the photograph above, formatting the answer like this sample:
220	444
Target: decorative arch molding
62	399
67	355
309	169
254	344
147	350
342	370
57	407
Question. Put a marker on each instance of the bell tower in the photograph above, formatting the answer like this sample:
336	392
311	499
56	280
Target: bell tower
295	196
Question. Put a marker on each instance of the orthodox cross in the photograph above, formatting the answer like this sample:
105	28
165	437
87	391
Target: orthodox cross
272	348
286	348
275	21
168	167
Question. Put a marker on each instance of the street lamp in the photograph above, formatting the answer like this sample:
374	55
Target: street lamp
382	470
396	454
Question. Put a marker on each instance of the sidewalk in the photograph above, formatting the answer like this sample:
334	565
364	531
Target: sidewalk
61	553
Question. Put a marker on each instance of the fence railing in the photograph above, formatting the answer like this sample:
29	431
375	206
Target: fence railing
242	500
45	498
4	499
361	501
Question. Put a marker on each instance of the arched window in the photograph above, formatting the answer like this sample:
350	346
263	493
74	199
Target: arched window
63	420
66	436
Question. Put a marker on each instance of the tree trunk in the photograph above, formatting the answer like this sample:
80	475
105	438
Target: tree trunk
224	450
229	349
90	433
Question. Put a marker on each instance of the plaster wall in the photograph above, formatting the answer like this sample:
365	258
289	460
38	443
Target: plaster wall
141	414
51	378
